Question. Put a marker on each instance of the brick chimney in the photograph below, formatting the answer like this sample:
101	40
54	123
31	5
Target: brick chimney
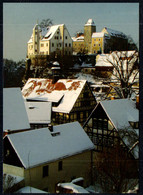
137	101
112	97
50	127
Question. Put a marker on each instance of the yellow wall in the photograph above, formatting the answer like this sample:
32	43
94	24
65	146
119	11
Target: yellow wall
97	44
74	166
78	46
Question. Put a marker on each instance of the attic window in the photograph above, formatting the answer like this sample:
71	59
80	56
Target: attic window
134	125
55	134
31	107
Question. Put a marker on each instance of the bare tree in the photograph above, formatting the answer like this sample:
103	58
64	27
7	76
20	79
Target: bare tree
125	70
45	23
113	170
8	183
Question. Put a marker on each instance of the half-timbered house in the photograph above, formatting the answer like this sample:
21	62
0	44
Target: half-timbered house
72	99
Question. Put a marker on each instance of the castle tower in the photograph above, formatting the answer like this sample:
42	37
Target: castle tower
89	28
36	39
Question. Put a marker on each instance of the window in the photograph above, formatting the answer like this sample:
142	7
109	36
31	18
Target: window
46	44
42	45
69	44
99	44
94	44
45	171
66	37
52	44
65	44
60	166
99	39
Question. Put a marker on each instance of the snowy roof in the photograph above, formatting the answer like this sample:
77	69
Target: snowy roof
29	189
67	89
39	112
51	31
14	111
15	179
90	22
121	112
80	38
97	34
73	187
114	32
71	139
101	60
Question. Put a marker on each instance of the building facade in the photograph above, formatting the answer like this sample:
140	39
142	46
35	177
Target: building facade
55	40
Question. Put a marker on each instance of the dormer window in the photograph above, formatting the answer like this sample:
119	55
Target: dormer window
134	125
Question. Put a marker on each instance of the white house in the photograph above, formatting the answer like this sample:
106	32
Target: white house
47	157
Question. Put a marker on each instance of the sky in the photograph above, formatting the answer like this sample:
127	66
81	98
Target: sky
20	18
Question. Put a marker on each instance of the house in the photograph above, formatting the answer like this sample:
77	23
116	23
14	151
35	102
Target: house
39	114
14	112
72	99
55	40
113	120
47	157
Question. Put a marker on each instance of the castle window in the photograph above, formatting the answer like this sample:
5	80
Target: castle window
52	44
66	44
69	44
66	37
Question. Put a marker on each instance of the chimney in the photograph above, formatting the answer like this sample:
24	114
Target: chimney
112	97
137	101
50	127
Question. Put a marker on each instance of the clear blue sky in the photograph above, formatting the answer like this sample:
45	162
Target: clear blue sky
20	18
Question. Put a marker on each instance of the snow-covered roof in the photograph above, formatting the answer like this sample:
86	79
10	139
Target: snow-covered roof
51	31
114	32
39	112
70	139
97	34
101	60
14	178
121	112
29	189
14	111
67	89
80	38
73	187
90	22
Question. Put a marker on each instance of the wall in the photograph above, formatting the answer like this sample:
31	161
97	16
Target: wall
73	166
14	170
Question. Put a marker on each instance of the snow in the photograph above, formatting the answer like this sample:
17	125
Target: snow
16	179
77	180
39	112
97	35
29	189
101	60
51	31
73	187
68	88
90	22
80	38
71	140
14	111
115	32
